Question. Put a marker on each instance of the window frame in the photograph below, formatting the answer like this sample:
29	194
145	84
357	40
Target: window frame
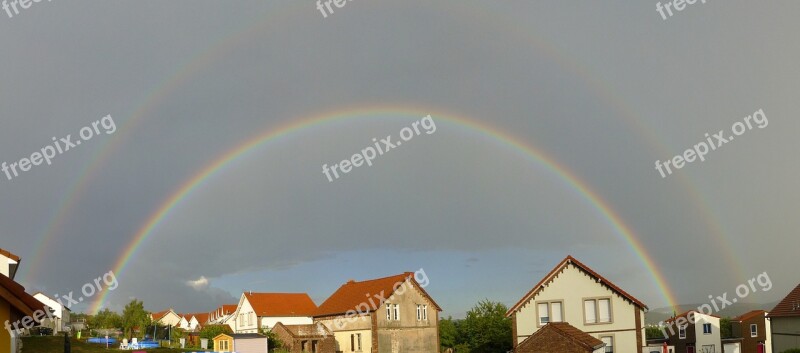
549	304
752	332
682	331
596	306
710	329
613	342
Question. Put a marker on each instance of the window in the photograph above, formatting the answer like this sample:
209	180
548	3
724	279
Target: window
753	330
355	342
597	311
304	346
388	311
609	341
358	336
549	312
396	312
422	312
682	332
314	346
223	346
706	329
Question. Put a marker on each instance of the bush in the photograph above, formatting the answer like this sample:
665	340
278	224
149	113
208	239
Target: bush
793	350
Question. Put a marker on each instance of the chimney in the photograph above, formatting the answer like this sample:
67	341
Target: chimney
351	281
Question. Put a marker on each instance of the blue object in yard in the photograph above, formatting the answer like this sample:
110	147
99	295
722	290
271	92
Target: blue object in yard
100	340
148	344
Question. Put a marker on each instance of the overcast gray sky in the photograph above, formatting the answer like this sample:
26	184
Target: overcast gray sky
603	88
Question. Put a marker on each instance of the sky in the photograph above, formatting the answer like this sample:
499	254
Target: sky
546	122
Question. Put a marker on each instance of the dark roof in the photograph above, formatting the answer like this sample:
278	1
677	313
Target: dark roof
311	330
356	295
686	315
15	294
749	315
571	333
789	306
281	304
564	263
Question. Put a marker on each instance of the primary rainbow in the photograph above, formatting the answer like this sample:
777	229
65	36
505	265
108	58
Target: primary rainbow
275	134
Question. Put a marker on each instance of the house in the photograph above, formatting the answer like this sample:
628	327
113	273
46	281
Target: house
183	323
167	318
257	311
16	306
391	314
305	338
197	321
241	343
576	294
221	314
560	337
694	332
9	264
60	321
754	330
785	321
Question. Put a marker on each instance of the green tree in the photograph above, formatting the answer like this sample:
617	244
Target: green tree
134	316
447	333
212	331
725	327
486	329
653	332
106	319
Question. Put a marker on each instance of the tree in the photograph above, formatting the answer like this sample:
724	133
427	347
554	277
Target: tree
134	316
447	333
486	329
653	332
106	319
211	331
725	327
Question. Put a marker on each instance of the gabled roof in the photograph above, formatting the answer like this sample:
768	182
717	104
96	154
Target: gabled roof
356	295
201	318
228	308
789	306
749	315
311	330
40	294
15	294
569	260
570	333
160	315
281	304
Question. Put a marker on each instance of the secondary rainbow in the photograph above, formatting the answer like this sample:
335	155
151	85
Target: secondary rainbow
275	134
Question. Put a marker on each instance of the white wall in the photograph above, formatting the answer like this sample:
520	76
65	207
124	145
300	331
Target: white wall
707	339
571	287
269	322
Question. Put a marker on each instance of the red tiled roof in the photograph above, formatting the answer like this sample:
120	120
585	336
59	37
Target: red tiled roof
9	255
749	315
281	304
789	306
571	333
551	276
202	318
160	315
15	294
355	295
229	309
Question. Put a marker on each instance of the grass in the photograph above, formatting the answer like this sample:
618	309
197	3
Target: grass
55	344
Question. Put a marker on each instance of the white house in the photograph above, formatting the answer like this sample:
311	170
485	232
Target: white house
694	332
197	321
574	293
167	318
61	313
183	323
263	310
9	264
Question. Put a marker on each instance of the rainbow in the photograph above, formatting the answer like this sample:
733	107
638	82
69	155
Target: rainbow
268	22
276	134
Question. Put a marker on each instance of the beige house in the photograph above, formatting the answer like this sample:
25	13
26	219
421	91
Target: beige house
391	314
785	322
574	293
167	318
60	314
